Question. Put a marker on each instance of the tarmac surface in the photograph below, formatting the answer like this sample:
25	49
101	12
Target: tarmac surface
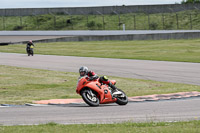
168	110
90	32
14	39
175	72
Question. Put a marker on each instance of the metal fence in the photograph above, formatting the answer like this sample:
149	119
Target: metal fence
124	9
133	21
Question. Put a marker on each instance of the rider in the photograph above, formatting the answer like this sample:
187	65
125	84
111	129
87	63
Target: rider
28	45
84	72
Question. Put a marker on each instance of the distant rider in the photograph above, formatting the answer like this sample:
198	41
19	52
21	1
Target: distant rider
84	72
28	45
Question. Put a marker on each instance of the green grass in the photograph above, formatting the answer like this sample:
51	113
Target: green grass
22	85
161	50
133	21
161	127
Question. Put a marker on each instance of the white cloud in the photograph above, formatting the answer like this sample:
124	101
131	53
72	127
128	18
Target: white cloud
77	3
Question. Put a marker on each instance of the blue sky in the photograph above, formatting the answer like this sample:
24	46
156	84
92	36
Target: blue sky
78	3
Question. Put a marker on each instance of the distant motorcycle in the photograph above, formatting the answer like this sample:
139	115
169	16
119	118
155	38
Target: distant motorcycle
95	93
30	50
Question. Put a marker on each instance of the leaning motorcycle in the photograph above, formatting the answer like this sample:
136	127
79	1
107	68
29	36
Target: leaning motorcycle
95	93
30	50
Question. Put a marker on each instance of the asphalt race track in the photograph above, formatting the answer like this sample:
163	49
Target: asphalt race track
90	32
176	110
13	39
177	72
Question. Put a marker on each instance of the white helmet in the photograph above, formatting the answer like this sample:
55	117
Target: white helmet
83	69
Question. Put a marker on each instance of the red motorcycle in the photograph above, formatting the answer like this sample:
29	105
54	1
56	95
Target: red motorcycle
95	93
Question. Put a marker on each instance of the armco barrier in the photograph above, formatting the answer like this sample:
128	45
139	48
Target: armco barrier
167	8
158	36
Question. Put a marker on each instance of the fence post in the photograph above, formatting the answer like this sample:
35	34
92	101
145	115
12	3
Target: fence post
103	23
103	26
72	22
191	21
119	21
21	21
54	22
38	25
26	25
4	20
163	21
118	18
87	22
134	22
177	21
149	21
4	25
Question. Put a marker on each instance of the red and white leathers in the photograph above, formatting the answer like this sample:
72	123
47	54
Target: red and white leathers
93	76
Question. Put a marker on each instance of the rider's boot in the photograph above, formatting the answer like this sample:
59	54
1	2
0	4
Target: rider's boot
114	90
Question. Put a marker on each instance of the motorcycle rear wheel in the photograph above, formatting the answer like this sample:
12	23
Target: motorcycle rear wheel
122	100
89	99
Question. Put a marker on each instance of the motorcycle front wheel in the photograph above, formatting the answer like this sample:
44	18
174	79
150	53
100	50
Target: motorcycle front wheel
122	99
90	98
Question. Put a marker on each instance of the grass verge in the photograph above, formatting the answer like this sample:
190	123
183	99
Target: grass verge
161	127
22	85
161	50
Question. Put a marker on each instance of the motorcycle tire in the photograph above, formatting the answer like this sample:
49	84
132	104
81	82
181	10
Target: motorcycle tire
31	52
120	100
85	95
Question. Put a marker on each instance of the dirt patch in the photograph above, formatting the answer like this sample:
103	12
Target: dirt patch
3	88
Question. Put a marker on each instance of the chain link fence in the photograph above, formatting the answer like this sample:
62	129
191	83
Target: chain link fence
185	20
